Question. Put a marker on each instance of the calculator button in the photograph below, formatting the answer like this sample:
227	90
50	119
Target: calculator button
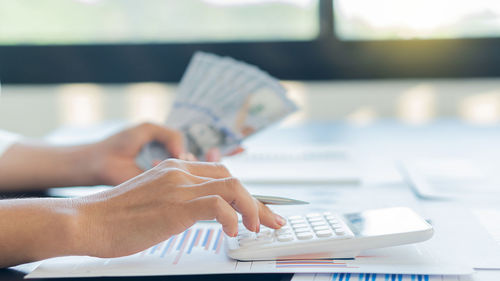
302	229
259	241
283	230
263	234
299	225
336	225
265	231
292	222
339	231
327	214
321	227
305	235
318	223
332	222
295	218
248	241
314	219
313	215
245	235
284	238
330	217
324	233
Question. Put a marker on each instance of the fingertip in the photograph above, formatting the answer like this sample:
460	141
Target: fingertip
213	155
280	221
231	233
236	151
252	226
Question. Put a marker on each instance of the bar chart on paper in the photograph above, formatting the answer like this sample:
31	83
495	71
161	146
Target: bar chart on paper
376	277
201	250
191	241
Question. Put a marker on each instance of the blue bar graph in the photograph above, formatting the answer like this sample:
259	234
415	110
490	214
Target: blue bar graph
182	240
217	240
169	244
196	234
376	277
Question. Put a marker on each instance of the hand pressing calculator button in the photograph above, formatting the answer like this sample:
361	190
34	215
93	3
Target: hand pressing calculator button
329	235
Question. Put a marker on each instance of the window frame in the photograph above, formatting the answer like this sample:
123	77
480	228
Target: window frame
323	58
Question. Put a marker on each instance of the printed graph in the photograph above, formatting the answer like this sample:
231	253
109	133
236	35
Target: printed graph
191	241
371	277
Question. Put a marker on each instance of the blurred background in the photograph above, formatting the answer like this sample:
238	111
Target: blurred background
78	63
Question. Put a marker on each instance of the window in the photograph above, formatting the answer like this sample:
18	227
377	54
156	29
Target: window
114	41
54	22
422	19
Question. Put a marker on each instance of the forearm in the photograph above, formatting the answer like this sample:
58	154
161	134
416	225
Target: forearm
35	229
26	166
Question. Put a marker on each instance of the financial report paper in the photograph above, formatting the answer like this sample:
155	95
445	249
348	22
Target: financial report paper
201	250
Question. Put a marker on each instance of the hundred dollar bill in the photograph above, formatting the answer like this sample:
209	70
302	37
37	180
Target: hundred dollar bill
219	103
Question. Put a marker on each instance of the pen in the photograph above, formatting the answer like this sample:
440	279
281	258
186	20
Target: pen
276	200
273	200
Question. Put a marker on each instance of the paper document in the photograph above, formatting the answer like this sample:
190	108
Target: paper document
449	178
490	219
377	277
201	250
294	165
459	232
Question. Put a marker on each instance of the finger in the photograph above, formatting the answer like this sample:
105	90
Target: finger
269	218
231	190
213	155
214	207
173	140
202	169
184	178
238	150
187	157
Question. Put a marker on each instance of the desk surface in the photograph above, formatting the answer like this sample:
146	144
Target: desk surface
385	140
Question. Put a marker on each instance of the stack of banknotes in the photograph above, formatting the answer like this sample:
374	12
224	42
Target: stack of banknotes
220	101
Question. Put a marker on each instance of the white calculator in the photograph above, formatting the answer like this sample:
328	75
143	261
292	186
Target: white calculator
330	235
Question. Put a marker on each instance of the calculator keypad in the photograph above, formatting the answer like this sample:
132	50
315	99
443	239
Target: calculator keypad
298	228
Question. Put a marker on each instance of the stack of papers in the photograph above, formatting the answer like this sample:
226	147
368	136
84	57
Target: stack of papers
201	250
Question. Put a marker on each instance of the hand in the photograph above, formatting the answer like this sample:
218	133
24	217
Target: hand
162	202
214	155
116	154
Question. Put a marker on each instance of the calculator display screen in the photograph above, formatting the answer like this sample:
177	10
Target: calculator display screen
385	222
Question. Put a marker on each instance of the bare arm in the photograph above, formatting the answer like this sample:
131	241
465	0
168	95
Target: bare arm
35	229
129	218
30	166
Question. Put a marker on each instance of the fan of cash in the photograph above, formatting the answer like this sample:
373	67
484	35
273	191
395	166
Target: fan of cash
220	101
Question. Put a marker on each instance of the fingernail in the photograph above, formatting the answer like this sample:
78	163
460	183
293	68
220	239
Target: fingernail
235	234
257	227
280	220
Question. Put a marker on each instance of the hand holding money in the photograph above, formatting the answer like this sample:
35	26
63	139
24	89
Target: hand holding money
220	102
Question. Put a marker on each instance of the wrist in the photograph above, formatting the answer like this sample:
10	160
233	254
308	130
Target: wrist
86	164
63	224
38	229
